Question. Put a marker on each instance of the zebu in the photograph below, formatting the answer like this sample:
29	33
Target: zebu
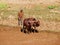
29	24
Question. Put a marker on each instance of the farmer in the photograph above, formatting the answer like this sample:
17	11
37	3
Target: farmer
20	17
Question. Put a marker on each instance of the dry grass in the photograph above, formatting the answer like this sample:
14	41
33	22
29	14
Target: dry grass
49	18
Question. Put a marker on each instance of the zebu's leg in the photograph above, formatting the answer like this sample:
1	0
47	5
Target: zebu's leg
23	29
29	29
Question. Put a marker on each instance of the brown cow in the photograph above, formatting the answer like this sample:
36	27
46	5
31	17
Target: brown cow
29	23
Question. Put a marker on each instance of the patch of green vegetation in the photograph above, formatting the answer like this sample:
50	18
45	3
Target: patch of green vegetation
51	7
3	6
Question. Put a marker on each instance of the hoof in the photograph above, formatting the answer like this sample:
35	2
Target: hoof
21	30
24	31
33	30
36	31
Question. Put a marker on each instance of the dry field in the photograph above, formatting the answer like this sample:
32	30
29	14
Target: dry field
13	36
47	11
